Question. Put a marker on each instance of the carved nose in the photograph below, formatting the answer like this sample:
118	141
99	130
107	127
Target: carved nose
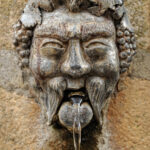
75	65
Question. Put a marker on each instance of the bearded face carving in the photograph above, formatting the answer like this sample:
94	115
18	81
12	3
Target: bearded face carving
75	60
75	57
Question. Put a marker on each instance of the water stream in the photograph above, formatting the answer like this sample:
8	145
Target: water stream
76	124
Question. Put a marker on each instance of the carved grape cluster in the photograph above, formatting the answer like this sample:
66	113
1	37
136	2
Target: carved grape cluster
22	42
126	45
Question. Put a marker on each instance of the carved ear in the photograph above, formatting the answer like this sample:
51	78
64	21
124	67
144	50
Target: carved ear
31	15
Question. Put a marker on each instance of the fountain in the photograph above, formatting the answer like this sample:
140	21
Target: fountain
71	55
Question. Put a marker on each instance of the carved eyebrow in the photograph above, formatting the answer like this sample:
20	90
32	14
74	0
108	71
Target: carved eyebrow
52	32
44	42
97	40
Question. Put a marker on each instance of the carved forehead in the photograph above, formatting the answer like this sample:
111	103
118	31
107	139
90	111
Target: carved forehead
66	24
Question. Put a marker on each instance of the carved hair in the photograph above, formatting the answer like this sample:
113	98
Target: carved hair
32	16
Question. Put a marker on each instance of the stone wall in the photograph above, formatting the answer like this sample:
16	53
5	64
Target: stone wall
128	114
10	10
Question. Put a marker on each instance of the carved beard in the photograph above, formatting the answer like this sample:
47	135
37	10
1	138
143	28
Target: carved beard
51	98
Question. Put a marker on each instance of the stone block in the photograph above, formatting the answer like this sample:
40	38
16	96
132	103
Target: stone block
10	73
140	67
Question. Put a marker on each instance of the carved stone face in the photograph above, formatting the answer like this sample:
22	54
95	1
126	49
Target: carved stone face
74	58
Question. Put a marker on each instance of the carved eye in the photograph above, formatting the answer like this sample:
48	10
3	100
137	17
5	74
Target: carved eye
96	49
52	47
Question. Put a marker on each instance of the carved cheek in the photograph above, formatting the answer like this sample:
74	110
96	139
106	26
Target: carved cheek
109	66
43	66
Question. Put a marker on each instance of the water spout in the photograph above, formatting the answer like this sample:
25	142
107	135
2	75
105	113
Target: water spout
76	124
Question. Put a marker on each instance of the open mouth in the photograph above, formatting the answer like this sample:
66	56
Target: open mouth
68	94
75	109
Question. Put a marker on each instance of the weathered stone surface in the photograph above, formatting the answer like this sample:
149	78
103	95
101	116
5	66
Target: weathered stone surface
139	13
140	67
10	73
129	116
19	122
10	10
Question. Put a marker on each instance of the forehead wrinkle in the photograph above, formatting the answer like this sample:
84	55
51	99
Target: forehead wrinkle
61	30
51	30
103	29
81	30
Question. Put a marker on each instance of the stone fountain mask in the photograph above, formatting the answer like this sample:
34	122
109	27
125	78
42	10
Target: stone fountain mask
75	52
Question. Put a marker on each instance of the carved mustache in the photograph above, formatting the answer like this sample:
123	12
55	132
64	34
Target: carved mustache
95	87
55	89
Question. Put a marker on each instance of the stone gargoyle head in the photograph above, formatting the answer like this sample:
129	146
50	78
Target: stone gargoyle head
74	52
